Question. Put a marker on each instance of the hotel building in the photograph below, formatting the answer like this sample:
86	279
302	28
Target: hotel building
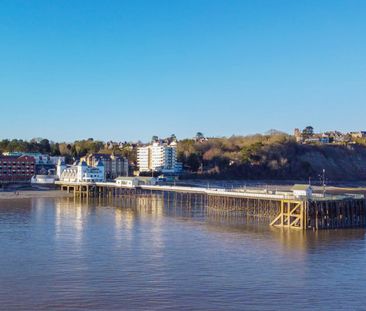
80	172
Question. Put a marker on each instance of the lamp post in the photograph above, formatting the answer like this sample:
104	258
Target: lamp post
323	179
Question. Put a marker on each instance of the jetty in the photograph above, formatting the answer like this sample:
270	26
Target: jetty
295	209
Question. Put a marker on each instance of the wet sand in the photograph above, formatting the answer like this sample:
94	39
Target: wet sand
26	194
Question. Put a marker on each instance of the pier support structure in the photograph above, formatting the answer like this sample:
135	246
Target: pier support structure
342	211
292	215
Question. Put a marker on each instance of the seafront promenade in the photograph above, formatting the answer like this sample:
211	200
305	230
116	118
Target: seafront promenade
282	209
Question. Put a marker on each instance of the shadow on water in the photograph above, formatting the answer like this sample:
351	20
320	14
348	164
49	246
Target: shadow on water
15	211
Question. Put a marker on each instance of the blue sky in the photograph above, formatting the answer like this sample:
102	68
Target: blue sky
127	70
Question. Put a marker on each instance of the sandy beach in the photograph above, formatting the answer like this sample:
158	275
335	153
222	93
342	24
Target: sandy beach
26	194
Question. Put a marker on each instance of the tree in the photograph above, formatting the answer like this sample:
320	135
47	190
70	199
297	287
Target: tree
173	137
44	146
308	131
55	149
4	145
74	152
199	136
250	153
194	162
154	138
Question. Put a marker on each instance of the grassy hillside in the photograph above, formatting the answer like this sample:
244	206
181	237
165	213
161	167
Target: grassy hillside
271	157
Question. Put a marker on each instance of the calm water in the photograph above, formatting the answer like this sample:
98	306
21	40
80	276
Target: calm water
57	254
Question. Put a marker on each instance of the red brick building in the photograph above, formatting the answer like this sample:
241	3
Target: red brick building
14	168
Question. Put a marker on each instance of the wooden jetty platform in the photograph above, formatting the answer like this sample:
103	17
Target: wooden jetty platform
282	210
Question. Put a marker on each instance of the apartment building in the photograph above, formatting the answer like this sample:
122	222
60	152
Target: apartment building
158	157
16	168
44	163
114	166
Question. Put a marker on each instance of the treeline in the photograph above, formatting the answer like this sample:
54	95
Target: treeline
34	145
71	151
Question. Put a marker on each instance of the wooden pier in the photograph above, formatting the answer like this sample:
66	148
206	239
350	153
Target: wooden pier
282	211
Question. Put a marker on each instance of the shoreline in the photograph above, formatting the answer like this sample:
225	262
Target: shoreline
29	194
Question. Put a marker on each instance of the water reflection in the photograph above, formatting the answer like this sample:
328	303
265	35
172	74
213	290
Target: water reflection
287	239
128	211
71	216
124	224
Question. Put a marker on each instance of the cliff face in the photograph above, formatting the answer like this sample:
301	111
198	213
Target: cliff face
340	162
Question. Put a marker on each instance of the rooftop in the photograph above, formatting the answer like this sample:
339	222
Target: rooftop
300	187
133	177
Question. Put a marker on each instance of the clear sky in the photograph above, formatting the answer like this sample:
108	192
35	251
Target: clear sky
127	70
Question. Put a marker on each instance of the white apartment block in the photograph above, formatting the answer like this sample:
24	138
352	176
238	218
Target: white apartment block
158	157
143	158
